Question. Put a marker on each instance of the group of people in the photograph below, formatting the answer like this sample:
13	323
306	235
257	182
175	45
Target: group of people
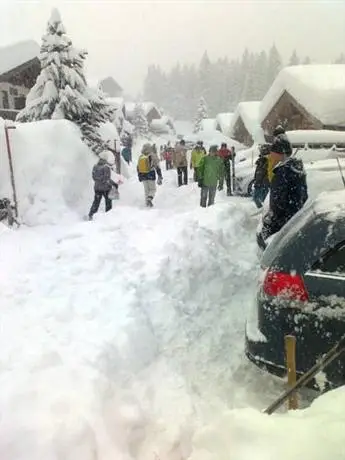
209	171
277	171
283	176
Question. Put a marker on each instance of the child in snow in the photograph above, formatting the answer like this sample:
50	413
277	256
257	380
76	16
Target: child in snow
148	166
209	173
101	175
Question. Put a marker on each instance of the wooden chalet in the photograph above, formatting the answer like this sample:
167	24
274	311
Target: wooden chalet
310	97
245	127
19	69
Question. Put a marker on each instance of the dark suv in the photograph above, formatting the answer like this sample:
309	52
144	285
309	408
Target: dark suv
302	291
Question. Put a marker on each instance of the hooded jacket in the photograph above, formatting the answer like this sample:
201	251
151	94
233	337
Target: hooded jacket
288	192
101	174
180	156
197	155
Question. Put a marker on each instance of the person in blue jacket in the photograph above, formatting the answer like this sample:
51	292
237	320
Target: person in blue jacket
289	189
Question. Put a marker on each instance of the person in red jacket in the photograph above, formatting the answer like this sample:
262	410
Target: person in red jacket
226	156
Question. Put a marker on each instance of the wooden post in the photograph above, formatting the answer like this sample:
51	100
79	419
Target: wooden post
290	350
9	153
117	159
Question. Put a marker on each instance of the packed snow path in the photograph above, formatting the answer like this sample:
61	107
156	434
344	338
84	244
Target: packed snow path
122	335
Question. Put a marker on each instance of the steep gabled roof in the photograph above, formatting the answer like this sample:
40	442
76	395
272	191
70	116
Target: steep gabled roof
224	121
15	55
249	113
320	89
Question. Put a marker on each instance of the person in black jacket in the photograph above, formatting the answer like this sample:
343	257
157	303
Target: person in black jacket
288	188
261	182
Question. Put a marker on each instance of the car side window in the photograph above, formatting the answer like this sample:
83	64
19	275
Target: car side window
333	261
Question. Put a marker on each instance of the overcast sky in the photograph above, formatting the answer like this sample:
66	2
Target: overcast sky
124	37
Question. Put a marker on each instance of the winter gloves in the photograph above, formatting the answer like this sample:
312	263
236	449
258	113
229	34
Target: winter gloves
159	180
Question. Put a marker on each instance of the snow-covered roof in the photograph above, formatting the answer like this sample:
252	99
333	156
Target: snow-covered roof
325	136
320	89
13	56
224	121
208	124
249	113
129	107
117	102
148	106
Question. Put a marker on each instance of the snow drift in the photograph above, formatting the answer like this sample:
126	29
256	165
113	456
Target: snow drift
52	169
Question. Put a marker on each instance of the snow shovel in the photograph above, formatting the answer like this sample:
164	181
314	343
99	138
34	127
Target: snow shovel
329	357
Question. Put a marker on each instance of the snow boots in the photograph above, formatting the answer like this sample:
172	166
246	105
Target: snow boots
149	203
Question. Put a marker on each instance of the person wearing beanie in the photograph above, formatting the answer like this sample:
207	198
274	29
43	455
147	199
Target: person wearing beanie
288	191
101	175
147	168
209	173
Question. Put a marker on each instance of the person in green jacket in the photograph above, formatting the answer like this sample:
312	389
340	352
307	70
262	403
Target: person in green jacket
210	171
197	154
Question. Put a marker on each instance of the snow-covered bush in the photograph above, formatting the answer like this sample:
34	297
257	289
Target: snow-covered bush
61	91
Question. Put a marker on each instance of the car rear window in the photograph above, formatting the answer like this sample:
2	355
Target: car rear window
292	229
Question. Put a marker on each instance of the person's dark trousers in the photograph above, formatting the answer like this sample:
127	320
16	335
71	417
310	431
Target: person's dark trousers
195	175
207	196
97	202
182	171
259	195
168	164
227	175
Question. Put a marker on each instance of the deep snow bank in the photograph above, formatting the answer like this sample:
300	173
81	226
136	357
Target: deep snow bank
120	334
52	169
316	432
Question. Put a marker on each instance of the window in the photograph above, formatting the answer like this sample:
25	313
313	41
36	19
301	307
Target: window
5	101
13	91
19	102
333	261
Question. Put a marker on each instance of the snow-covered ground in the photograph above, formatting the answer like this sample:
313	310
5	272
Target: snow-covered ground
123	338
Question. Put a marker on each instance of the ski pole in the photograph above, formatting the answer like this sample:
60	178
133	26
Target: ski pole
341	172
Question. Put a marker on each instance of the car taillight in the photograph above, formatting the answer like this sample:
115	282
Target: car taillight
285	285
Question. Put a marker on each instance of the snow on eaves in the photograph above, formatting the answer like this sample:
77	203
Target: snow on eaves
13	56
320	89
208	124
117	102
147	106
249	113
224	121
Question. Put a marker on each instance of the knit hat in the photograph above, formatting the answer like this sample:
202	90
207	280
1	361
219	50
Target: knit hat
281	145
104	155
213	149
146	149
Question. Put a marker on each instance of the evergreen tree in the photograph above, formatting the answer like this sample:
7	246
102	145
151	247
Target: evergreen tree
307	60
61	90
200	115
141	126
294	59
274	65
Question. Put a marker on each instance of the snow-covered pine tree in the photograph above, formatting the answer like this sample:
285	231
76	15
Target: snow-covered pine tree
141	126
200	114
61	90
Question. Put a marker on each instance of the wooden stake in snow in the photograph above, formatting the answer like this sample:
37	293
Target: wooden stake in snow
341	172
9	153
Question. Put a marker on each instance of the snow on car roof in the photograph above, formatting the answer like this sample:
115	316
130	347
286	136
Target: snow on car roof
249	113
305	136
320	89
13	56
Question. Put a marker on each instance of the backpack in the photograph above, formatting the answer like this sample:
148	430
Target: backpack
144	164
